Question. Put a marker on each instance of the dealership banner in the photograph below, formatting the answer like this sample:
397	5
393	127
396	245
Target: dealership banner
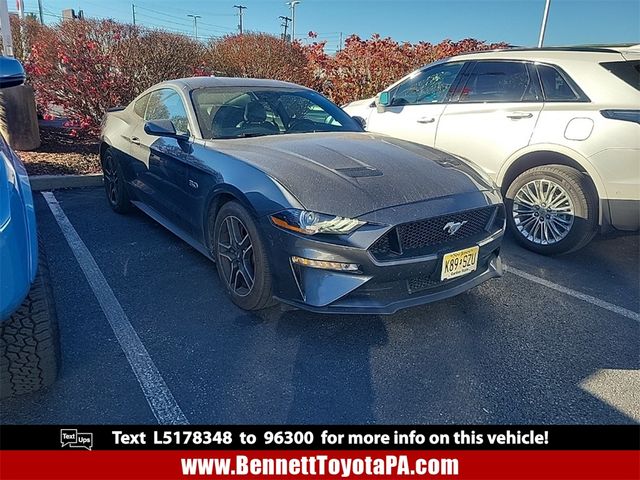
281	452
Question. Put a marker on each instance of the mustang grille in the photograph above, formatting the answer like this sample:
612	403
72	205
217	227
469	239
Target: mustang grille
414	238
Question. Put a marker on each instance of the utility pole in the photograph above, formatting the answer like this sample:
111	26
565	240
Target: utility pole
133	13
195	24
293	4
284	25
40	12
543	27
340	45
20	4
240	9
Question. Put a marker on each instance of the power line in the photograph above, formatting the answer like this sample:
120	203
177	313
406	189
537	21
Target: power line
156	12
179	11
179	22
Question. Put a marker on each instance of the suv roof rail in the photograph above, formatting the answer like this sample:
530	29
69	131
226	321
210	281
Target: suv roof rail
570	48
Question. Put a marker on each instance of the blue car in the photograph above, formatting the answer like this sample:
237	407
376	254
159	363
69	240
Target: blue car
29	345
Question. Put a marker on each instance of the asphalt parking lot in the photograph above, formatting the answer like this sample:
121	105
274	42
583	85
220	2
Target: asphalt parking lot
514	350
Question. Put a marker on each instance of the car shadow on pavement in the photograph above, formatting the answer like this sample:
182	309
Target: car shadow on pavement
331	380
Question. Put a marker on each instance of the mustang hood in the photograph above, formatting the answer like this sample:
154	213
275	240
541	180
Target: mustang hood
351	174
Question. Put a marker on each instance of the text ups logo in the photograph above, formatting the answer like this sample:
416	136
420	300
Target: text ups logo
73	439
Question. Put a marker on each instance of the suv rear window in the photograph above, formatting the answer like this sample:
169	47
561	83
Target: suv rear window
555	85
629	71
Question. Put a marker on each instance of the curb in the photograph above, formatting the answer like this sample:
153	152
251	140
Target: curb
55	182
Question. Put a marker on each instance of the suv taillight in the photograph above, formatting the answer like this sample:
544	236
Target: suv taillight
625	115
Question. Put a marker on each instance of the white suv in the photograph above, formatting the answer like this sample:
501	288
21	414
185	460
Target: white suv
558	129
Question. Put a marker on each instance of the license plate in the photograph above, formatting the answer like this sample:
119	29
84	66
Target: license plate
456	264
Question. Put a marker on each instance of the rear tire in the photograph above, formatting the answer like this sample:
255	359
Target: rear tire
29	340
552	209
241	258
114	184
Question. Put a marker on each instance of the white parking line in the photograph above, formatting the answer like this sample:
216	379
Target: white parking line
574	293
160	399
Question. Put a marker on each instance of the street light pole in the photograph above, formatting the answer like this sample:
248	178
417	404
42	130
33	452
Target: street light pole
293	4
40	12
195	24
543	27
5	28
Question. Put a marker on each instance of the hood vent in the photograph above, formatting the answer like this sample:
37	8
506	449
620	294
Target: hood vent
359	172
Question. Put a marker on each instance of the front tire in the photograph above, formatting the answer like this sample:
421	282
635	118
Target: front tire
114	184
552	209
29	340
241	257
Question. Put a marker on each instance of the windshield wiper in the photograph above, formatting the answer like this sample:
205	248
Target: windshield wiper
254	134
245	135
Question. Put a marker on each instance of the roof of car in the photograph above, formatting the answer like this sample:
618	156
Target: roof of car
193	83
555	52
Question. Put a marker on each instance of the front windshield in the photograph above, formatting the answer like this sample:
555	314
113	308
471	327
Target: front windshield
237	112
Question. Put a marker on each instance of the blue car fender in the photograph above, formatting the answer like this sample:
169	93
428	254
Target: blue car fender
18	236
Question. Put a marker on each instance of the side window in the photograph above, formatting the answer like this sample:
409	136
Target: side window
140	107
428	86
499	82
166	104
555	86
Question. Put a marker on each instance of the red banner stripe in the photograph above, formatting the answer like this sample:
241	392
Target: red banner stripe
157	465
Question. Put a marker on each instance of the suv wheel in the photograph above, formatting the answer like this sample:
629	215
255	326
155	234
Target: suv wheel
29	340
552	209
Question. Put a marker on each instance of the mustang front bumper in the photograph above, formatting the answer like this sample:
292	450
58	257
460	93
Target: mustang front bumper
386	282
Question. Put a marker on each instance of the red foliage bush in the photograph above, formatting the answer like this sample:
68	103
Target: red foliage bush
365	67
85	67
257	55
23	33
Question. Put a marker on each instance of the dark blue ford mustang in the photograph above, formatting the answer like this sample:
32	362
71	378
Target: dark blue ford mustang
295	202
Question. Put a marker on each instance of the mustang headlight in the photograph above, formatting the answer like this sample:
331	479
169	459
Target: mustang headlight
310	223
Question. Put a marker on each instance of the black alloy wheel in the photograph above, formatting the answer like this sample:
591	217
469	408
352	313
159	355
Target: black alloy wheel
241	257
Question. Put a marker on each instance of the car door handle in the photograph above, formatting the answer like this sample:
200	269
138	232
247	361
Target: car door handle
519	115
426	120
135	140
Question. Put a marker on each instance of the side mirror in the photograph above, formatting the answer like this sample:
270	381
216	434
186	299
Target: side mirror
11	72
384	101
361	121
162	128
